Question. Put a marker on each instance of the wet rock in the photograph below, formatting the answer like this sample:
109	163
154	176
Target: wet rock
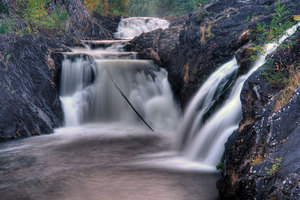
267	138
30	68
29	100
210	36
160	45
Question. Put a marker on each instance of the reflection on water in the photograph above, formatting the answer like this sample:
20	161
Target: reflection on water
97	162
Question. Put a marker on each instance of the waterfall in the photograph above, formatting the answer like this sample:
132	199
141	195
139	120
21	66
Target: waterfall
88	93
134	26
204	141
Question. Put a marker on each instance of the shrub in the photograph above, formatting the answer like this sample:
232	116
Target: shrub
35	13
281	21
7	26
92	4
220	166
106	7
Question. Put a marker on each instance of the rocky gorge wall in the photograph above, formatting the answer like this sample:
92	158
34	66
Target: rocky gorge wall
195	45
268	137
30	67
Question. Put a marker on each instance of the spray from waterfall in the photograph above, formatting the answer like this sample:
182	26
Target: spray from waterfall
135	26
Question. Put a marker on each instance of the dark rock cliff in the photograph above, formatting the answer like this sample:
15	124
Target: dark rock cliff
209	37
267	137
29	99
30	67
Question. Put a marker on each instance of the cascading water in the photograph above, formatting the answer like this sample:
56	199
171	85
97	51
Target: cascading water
131	27
204	142
88	93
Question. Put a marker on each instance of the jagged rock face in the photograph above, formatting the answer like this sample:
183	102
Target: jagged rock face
81	24
160	46
29	98
264	136
210	36
29	70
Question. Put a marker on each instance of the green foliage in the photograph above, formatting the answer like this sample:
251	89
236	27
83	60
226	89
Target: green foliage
281	21
8	56
3	7
143	7
108	7
163	7
28	30
201	16
7	26
220	166
275	167
35	13
56	20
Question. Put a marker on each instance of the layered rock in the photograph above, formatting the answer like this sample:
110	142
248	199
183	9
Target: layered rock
29	98
209	37
266	138
30	68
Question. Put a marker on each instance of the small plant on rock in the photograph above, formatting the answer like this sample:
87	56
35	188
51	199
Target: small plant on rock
7	26
256	160
281	21
220	166
275	167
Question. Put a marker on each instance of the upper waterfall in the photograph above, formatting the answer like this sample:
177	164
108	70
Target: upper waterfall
135	26
91	78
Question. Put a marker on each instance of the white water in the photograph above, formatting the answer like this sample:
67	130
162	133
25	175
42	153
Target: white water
204	142
89	95
135	26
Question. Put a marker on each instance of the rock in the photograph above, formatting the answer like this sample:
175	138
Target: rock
30	69
29	100
160	45
267	133
192	49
